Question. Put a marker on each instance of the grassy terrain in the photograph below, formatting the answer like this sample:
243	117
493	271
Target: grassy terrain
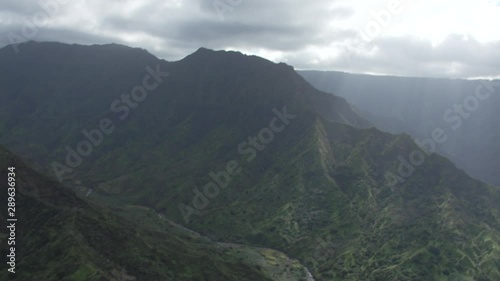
317	192
60	237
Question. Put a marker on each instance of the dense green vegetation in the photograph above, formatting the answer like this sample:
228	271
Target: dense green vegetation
317	191
61	237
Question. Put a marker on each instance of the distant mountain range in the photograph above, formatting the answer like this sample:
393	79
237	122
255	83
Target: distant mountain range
278	178
466	110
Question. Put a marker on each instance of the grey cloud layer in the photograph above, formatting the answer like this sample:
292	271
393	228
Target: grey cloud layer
298	29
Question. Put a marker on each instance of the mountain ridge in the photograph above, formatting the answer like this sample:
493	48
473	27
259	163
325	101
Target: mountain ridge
464	109
321	177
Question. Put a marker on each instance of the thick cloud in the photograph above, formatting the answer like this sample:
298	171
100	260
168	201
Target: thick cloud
416	39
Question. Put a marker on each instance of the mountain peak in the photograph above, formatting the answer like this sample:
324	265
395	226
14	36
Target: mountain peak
58	49
204	52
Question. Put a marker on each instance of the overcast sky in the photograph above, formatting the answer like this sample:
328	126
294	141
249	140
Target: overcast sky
436	38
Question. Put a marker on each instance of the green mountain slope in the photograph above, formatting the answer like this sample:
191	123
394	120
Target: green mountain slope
204	94
245	151
61	237
331	207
